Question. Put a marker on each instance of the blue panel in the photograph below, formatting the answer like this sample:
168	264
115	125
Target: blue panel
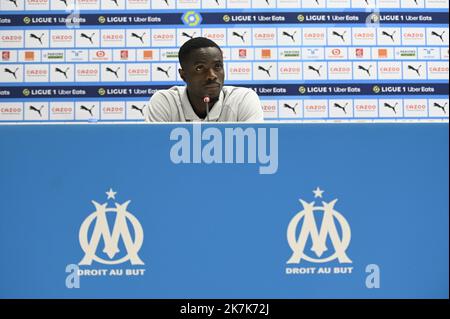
220	230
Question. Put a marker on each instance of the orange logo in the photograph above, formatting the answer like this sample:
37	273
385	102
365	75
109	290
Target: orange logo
29	55
265	54
382	53
148	55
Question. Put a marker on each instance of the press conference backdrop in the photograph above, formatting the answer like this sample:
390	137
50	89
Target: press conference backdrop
92	60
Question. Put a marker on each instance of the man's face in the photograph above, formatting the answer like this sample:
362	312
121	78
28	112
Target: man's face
203	72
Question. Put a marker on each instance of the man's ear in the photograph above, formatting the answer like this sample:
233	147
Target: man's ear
181	72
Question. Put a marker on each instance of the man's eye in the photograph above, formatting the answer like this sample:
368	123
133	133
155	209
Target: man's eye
219	66
199	68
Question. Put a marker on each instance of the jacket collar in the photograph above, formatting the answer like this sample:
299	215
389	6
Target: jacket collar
190	115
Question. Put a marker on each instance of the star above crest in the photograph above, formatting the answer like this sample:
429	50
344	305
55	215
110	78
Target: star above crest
318	192
111	194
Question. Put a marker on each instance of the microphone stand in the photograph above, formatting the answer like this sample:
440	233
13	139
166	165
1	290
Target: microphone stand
206	100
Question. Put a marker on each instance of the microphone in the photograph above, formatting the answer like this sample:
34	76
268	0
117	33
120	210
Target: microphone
206	100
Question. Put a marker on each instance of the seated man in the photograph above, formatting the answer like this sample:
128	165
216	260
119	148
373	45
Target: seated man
204	98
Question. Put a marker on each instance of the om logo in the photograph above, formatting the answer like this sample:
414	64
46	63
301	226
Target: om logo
318	236
111	239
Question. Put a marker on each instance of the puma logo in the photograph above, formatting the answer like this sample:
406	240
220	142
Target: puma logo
164	71
240	36
141	110
108	69
442	107
310	67
389	35
440	36
58	70
261	68
290	35
360	67
38	110
11	72
184	34
292	108
140	37
337	105
392	107
82	107
84	35
417	70
34	36
339	35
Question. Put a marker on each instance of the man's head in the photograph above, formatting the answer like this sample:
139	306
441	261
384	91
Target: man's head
202	67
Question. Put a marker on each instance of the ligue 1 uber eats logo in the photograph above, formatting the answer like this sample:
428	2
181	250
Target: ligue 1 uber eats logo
318	234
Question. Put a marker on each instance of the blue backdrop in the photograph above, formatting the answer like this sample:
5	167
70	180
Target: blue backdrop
219	230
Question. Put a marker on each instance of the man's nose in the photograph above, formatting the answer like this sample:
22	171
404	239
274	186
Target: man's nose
211	75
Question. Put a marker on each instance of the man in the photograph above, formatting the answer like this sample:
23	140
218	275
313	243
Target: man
204	98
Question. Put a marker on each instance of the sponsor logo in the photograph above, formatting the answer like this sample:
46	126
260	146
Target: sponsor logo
382	53
341	107
314	35
438	35
390	106
36	109
89	37
389	35
317	70
6	55
265	36
37	37
165	71
339	35
407	53
11	38
140	110
191	18
138	36
266	53
63	72
292	108
288	35
359	52
363	68
87	109
240	36
267	71
11	72
290	53
29	56
148	55
108	69
415	69
124	54
440	106
189	36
